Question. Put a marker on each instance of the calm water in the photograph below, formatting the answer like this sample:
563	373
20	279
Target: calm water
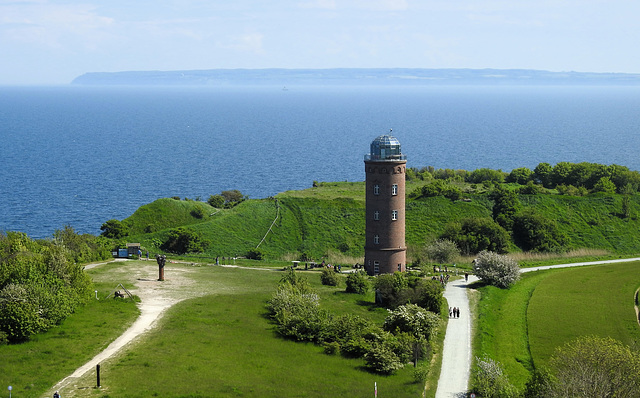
81	156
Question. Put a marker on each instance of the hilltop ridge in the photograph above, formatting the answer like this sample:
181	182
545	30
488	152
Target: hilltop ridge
354	76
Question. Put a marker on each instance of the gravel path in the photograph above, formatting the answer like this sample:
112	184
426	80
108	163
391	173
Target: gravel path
456	354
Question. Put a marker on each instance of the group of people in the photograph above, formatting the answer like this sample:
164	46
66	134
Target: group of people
454	312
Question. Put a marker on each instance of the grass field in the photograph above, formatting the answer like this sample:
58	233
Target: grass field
217	342
33	367
597	301
522	326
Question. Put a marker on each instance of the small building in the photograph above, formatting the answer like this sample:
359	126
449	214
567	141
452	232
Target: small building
133	249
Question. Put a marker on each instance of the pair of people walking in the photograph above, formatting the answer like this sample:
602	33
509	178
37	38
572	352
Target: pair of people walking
454	312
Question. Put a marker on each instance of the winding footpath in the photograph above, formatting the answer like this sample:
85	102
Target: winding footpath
456	353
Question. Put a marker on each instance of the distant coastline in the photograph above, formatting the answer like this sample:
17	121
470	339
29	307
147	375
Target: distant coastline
359	77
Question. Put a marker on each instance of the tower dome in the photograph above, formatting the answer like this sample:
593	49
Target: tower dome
385	147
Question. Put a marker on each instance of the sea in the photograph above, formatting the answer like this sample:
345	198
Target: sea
79	156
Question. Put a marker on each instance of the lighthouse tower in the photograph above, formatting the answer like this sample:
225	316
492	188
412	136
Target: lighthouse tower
385	168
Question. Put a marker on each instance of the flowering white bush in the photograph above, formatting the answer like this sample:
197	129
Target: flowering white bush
496	269
490	381
410	318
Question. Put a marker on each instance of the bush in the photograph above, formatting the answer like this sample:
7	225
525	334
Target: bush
198	213
420	374
442	251
182	240
216	201
332	348
358	282
473	235
489	380
114	229
412	319
593	366
255	254
329	277
495	269
534	232
381	359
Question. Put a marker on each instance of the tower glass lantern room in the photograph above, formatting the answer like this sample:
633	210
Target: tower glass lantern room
385	147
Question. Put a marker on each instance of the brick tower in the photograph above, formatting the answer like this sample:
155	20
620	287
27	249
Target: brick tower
385	167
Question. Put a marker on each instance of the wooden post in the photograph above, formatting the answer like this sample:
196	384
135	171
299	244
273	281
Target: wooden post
98	375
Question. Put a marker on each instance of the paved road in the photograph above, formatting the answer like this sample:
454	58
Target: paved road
456	354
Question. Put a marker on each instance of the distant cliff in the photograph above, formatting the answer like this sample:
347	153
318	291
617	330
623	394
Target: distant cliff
362	77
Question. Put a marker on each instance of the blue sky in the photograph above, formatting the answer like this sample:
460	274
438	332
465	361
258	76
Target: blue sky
53	41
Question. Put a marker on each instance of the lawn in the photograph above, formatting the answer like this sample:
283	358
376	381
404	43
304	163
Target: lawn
522	326
217	342
596	300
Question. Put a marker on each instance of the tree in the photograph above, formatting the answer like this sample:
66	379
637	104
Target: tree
495	269
534	232
481	175
216	201
520	176
389	288
232	197
472	235
442	251
542	174
605	185
593	366
114	229
182	240
506	205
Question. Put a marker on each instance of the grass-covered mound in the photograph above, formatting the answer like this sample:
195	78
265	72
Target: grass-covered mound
330	218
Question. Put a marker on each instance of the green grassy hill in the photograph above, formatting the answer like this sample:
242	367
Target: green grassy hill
330	218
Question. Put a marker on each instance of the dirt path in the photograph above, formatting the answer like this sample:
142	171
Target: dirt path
155	298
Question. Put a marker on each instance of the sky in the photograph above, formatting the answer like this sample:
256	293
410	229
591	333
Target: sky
50	42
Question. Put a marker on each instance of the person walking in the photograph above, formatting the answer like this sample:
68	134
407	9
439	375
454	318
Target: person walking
56	394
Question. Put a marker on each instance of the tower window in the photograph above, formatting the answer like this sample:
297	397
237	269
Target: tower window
376	267
376	215
394	215
394	189
376	189
376	240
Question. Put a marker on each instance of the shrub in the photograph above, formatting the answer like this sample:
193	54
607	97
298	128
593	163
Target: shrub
182	240
410	318
593	366
428	294
420	374
358	282
495	269
442	251
114	229
381	359
389	289
332	348
534	232
198	212
489	380
473	235
329	277
255	254
216	201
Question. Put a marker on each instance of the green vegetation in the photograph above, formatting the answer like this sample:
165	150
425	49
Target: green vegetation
522	327
34	366
40	282
551	209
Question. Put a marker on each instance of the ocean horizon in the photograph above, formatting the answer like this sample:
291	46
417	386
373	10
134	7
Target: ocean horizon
80	156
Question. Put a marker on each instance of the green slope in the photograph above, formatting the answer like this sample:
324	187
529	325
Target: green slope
330	217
